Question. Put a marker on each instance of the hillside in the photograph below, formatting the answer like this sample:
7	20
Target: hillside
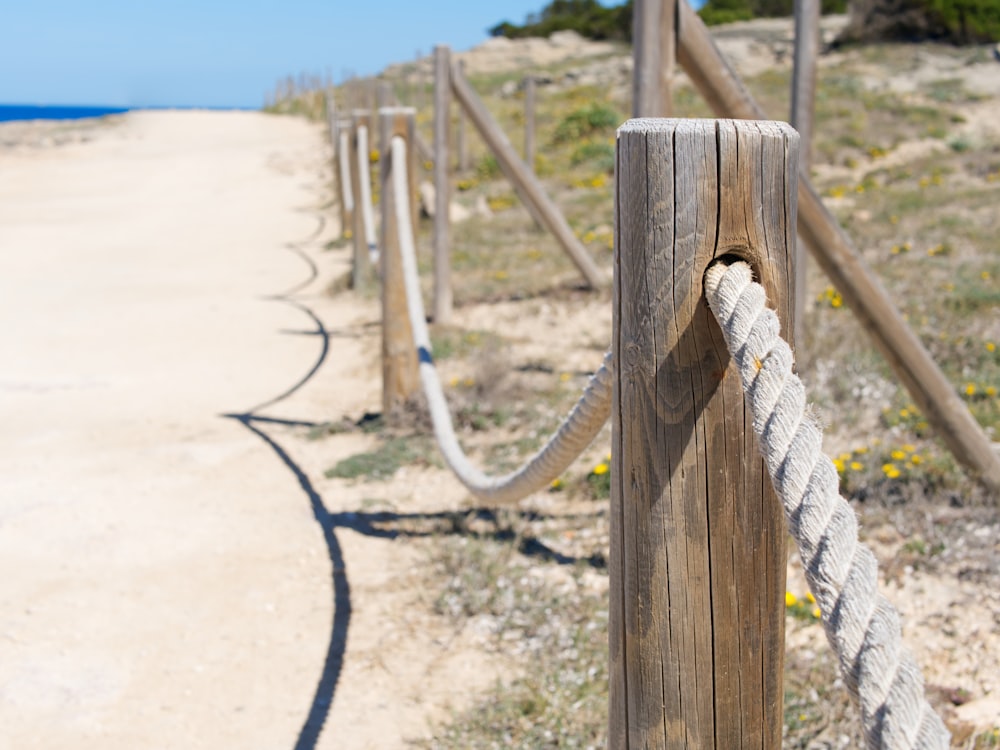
907	155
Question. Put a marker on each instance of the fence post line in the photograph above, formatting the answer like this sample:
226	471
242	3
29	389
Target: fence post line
654	25
803	105
697	567
360	263
461	144
843	265
529	123
400	377
525	184
442	186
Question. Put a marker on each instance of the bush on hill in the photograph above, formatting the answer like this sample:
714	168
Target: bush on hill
954	21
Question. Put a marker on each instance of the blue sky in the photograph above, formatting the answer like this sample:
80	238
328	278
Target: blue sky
218	53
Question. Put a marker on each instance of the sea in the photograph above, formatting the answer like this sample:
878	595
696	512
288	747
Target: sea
10	112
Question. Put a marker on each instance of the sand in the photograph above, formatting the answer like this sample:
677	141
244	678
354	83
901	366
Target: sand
165	582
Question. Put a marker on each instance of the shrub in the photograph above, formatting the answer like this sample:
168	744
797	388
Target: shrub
592	119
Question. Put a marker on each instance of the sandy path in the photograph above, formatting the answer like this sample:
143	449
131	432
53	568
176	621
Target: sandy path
164	580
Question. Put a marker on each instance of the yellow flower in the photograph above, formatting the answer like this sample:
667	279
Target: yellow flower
468	382
909	447
916	460
990	346
810	597
990	391
985	275
564	376
904	413
862	450
894	219
500	275
856	466
348	234
556	484
970	389
601	468
837	301
790	599
897	455
838	465
373	156
890	471
924	182
859	189
816	613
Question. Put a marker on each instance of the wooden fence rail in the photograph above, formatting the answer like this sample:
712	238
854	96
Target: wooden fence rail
833	251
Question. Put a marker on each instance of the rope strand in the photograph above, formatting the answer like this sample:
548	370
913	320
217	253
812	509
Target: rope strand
573	436
861	625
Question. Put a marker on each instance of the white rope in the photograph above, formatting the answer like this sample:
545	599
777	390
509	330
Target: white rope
861	625
345	171
573	436
365	181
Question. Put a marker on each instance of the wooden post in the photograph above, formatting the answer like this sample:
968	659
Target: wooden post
442	185
529	123
343	148
383	98
654	49
400	378
361	265
526	184
861	290
460	136
333	126
697	533
803	104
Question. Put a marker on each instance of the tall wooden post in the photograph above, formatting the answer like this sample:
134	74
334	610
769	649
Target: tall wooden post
654	24
343	148
461	144
333	127
803	105
400	378
529	122
697	533
442	185
360	171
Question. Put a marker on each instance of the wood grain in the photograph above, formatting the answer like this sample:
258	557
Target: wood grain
442	186
698	540
400	378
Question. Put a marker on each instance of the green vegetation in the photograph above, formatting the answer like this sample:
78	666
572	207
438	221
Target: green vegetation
586	17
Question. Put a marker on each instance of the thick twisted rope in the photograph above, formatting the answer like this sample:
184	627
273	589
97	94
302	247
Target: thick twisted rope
861	625
574	435
365	183
343	146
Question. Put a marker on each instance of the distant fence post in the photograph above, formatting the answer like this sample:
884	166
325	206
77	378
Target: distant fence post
333	123
698	540
343	148
400	378
803	104
461	144
360	171
525	184
529	122
442	185
654	50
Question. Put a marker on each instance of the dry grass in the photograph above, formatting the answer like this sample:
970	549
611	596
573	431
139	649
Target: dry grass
926	224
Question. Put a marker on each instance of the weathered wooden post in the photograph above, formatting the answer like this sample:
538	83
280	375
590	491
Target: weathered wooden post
400	378
697	534
333	126
461	144
442	185
529	123
654	24
363	231
803	105
343	147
